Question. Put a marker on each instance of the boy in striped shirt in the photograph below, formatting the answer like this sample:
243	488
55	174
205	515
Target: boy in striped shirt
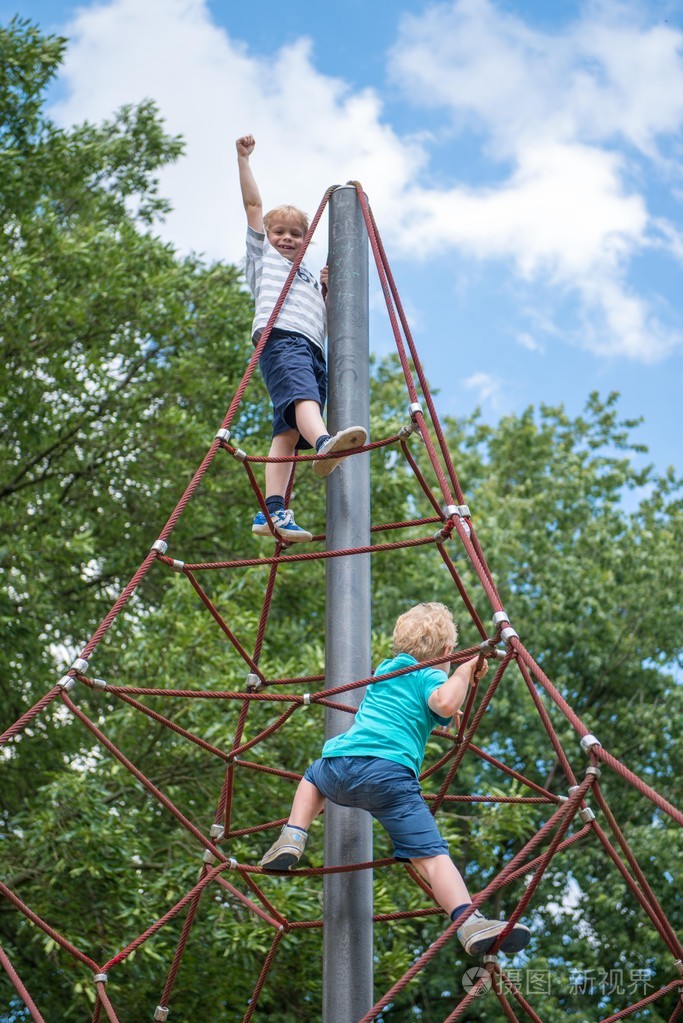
293	360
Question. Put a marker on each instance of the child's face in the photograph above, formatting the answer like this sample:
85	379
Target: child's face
286	234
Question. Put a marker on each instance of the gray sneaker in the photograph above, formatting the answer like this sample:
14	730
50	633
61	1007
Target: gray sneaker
351	437
478	934
287	851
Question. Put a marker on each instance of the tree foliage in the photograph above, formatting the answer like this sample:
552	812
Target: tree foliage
119	360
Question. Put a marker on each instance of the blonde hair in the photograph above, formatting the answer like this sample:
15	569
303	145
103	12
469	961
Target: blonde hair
424	631
289	213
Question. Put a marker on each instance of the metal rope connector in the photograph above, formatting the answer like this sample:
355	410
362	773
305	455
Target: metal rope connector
678	965
588	741
161	1013
414	408
66	683
99	684
240	455
100	978
232	864
178	566
508	634
80	664
160	546
489	959
461	510
217	831
223	435
253	683
209	857
586	815
408	429
500	616
307	700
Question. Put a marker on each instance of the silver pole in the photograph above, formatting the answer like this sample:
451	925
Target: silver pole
347	933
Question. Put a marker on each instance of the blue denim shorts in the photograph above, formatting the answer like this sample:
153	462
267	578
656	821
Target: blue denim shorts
390	792
294	370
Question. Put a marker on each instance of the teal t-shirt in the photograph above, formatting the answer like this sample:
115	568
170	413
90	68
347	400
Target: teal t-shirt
394	720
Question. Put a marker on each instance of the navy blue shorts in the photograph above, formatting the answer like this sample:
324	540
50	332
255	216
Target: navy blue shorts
294	370
390	792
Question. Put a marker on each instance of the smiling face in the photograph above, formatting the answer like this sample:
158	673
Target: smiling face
286	234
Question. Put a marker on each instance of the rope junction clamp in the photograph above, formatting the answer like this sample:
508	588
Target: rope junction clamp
253	683
209	857
489	959
66	683
500	616
80	664
161	1013
100	978
409	429
586	815
461	510
99	684
160	546
178	566
588	741
508	634
217	831
240	455
679	965
593	770
414	408
307	700
222	435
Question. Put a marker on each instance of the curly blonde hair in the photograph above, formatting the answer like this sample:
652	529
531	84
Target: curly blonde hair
288	213
424	631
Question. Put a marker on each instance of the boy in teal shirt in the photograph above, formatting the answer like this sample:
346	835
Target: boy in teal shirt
375	766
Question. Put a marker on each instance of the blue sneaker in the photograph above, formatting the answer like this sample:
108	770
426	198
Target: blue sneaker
284	524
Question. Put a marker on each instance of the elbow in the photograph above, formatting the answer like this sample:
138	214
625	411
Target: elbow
444	708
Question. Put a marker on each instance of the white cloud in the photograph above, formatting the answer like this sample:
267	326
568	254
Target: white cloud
488	389
560	115
312	131
529	342
553	110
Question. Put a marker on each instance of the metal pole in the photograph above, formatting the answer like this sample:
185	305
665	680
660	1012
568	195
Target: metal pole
347	932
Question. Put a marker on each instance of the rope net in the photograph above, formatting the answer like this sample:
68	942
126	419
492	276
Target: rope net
570	819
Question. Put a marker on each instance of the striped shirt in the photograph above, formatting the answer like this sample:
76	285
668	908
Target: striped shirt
266	270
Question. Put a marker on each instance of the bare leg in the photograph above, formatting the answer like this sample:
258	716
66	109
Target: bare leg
308	803
278	473
445	880
309	421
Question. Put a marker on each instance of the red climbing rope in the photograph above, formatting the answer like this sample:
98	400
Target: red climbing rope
570	819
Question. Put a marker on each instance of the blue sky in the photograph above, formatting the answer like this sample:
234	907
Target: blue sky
522	158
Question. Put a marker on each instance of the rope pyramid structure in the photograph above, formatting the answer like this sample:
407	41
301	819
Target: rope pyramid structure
448	523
